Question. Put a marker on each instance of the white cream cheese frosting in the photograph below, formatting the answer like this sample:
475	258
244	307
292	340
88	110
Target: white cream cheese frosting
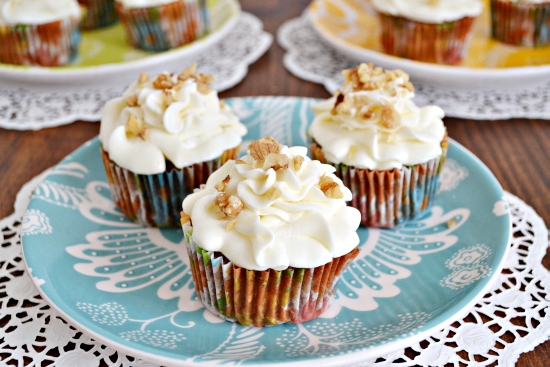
14	12
144	3
374	124
429	11
172	117
285	215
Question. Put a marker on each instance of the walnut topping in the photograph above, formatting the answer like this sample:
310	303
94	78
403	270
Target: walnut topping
132	101
220	186
273	193
361	78
451	223
297	162
240	161
261	148
330	188
187	73
163	81
230	205
143	78
134	128
184	218
276	161
388	118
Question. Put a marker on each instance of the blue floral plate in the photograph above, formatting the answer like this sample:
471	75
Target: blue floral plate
129	287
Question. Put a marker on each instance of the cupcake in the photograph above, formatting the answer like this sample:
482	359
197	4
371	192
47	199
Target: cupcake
388	151
521	22
437	31
159	25
269	236
163	138
39	32
99	13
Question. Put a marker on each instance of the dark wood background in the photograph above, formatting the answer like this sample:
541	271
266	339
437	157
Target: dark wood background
517	151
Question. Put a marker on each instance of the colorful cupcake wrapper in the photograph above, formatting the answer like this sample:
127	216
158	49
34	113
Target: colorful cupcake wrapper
155	200
165	26
49	44
391	197
444	43
521	23
262	298
99	13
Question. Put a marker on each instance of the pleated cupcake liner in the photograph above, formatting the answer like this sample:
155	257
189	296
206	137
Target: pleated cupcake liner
521	23
98	14
443	43
155	200
389	198
50	44
163	27
263	298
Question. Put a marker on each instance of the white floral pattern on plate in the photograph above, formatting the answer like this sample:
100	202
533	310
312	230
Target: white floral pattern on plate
130	287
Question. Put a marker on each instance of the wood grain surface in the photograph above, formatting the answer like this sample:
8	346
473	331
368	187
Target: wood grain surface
517	151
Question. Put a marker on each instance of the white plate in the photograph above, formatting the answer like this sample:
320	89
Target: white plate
351	27
92	70
130	287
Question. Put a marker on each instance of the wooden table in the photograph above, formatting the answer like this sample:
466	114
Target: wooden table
517	151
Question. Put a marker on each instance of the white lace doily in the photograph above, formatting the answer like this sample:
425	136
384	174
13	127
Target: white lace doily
516	305
310	58
32	108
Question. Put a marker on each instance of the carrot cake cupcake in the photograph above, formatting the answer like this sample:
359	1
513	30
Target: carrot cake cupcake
387	150
269	235
161	139
521	22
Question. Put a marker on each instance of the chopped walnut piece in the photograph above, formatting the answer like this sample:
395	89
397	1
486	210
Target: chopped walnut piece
163	81
230	225
240	161
276	161
132	101
134	128
143	78
230	205
451	223
202	83
220	186
330	188
388	117
297	162
184	218
187	73
273	193
261	148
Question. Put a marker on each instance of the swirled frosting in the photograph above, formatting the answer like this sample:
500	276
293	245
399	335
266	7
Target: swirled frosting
172	117
429	11
374	124
36	11
292	211
143	3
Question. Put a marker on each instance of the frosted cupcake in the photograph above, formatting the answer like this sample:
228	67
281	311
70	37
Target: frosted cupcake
437	31
521	22
388	151
99	13
269	236
39	32
163	138
159	25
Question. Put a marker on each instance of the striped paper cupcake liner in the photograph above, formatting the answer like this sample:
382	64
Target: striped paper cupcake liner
155	200
521	23
49	44
390	197
444	43
163	27
262	298
99	13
